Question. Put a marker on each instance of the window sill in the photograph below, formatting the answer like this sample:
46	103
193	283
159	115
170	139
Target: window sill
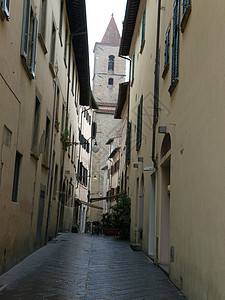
185	18
42	42
165	71
34	155
27	68
142	46
173	86
44	165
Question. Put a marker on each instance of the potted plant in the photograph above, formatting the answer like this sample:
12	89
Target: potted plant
65	138
140	230
75	228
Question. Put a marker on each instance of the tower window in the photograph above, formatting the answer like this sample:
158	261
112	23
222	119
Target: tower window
110	81
111	63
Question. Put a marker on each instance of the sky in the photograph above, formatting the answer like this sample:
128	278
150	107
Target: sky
99	13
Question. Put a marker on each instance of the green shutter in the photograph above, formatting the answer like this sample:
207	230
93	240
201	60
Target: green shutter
167	48
175	42
143	27
186	3
128	143
6	8
139	124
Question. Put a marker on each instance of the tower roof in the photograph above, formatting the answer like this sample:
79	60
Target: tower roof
112	35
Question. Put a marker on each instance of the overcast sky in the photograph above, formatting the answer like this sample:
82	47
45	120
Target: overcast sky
98	17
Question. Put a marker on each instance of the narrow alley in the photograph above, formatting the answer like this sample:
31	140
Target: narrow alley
78	266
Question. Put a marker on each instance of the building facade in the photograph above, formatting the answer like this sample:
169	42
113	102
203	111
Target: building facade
43	81
109	72
174	185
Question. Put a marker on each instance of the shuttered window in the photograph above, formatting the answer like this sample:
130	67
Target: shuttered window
29	38
186	3
143	28
139	124
128	143
5	6
167	48
175	42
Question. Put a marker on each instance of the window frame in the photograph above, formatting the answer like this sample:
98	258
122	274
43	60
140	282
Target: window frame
143	30
5	7
139	124
111	63
28	47
16	177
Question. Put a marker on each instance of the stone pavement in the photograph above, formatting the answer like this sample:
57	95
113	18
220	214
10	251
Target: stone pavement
79	266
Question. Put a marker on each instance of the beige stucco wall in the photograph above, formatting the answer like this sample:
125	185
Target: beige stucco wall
18	233
192	216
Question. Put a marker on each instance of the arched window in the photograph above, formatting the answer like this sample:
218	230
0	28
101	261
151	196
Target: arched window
111	63
110	81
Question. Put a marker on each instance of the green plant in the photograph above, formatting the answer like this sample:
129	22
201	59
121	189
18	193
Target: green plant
75	228
57	125
120	217
65	138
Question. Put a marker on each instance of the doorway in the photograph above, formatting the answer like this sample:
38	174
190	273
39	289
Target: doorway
151	240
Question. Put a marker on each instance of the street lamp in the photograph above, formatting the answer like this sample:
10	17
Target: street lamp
95	147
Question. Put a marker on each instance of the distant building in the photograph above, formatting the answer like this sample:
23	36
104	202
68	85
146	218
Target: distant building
109	72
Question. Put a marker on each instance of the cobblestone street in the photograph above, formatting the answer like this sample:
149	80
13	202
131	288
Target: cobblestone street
76	266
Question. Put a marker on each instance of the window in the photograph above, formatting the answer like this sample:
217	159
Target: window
16	176
73	70
133	61
36	126
46	143
5	7
186	3
65	49
55	181
43	18
29	38
167	53
61	17
111	63
72	148
62	120
175	46
139	124
128	143
143	31
186	13
76	91
110	81
52	53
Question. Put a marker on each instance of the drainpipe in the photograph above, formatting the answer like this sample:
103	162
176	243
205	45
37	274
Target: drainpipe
128	112
156	88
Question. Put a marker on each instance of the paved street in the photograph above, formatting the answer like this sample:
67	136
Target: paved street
78	266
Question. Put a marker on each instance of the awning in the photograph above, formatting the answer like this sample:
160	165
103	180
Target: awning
90	204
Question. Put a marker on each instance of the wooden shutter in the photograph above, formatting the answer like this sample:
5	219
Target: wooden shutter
167	48
175	43
143	27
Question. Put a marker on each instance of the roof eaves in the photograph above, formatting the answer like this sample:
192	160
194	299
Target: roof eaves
76	11
128	26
